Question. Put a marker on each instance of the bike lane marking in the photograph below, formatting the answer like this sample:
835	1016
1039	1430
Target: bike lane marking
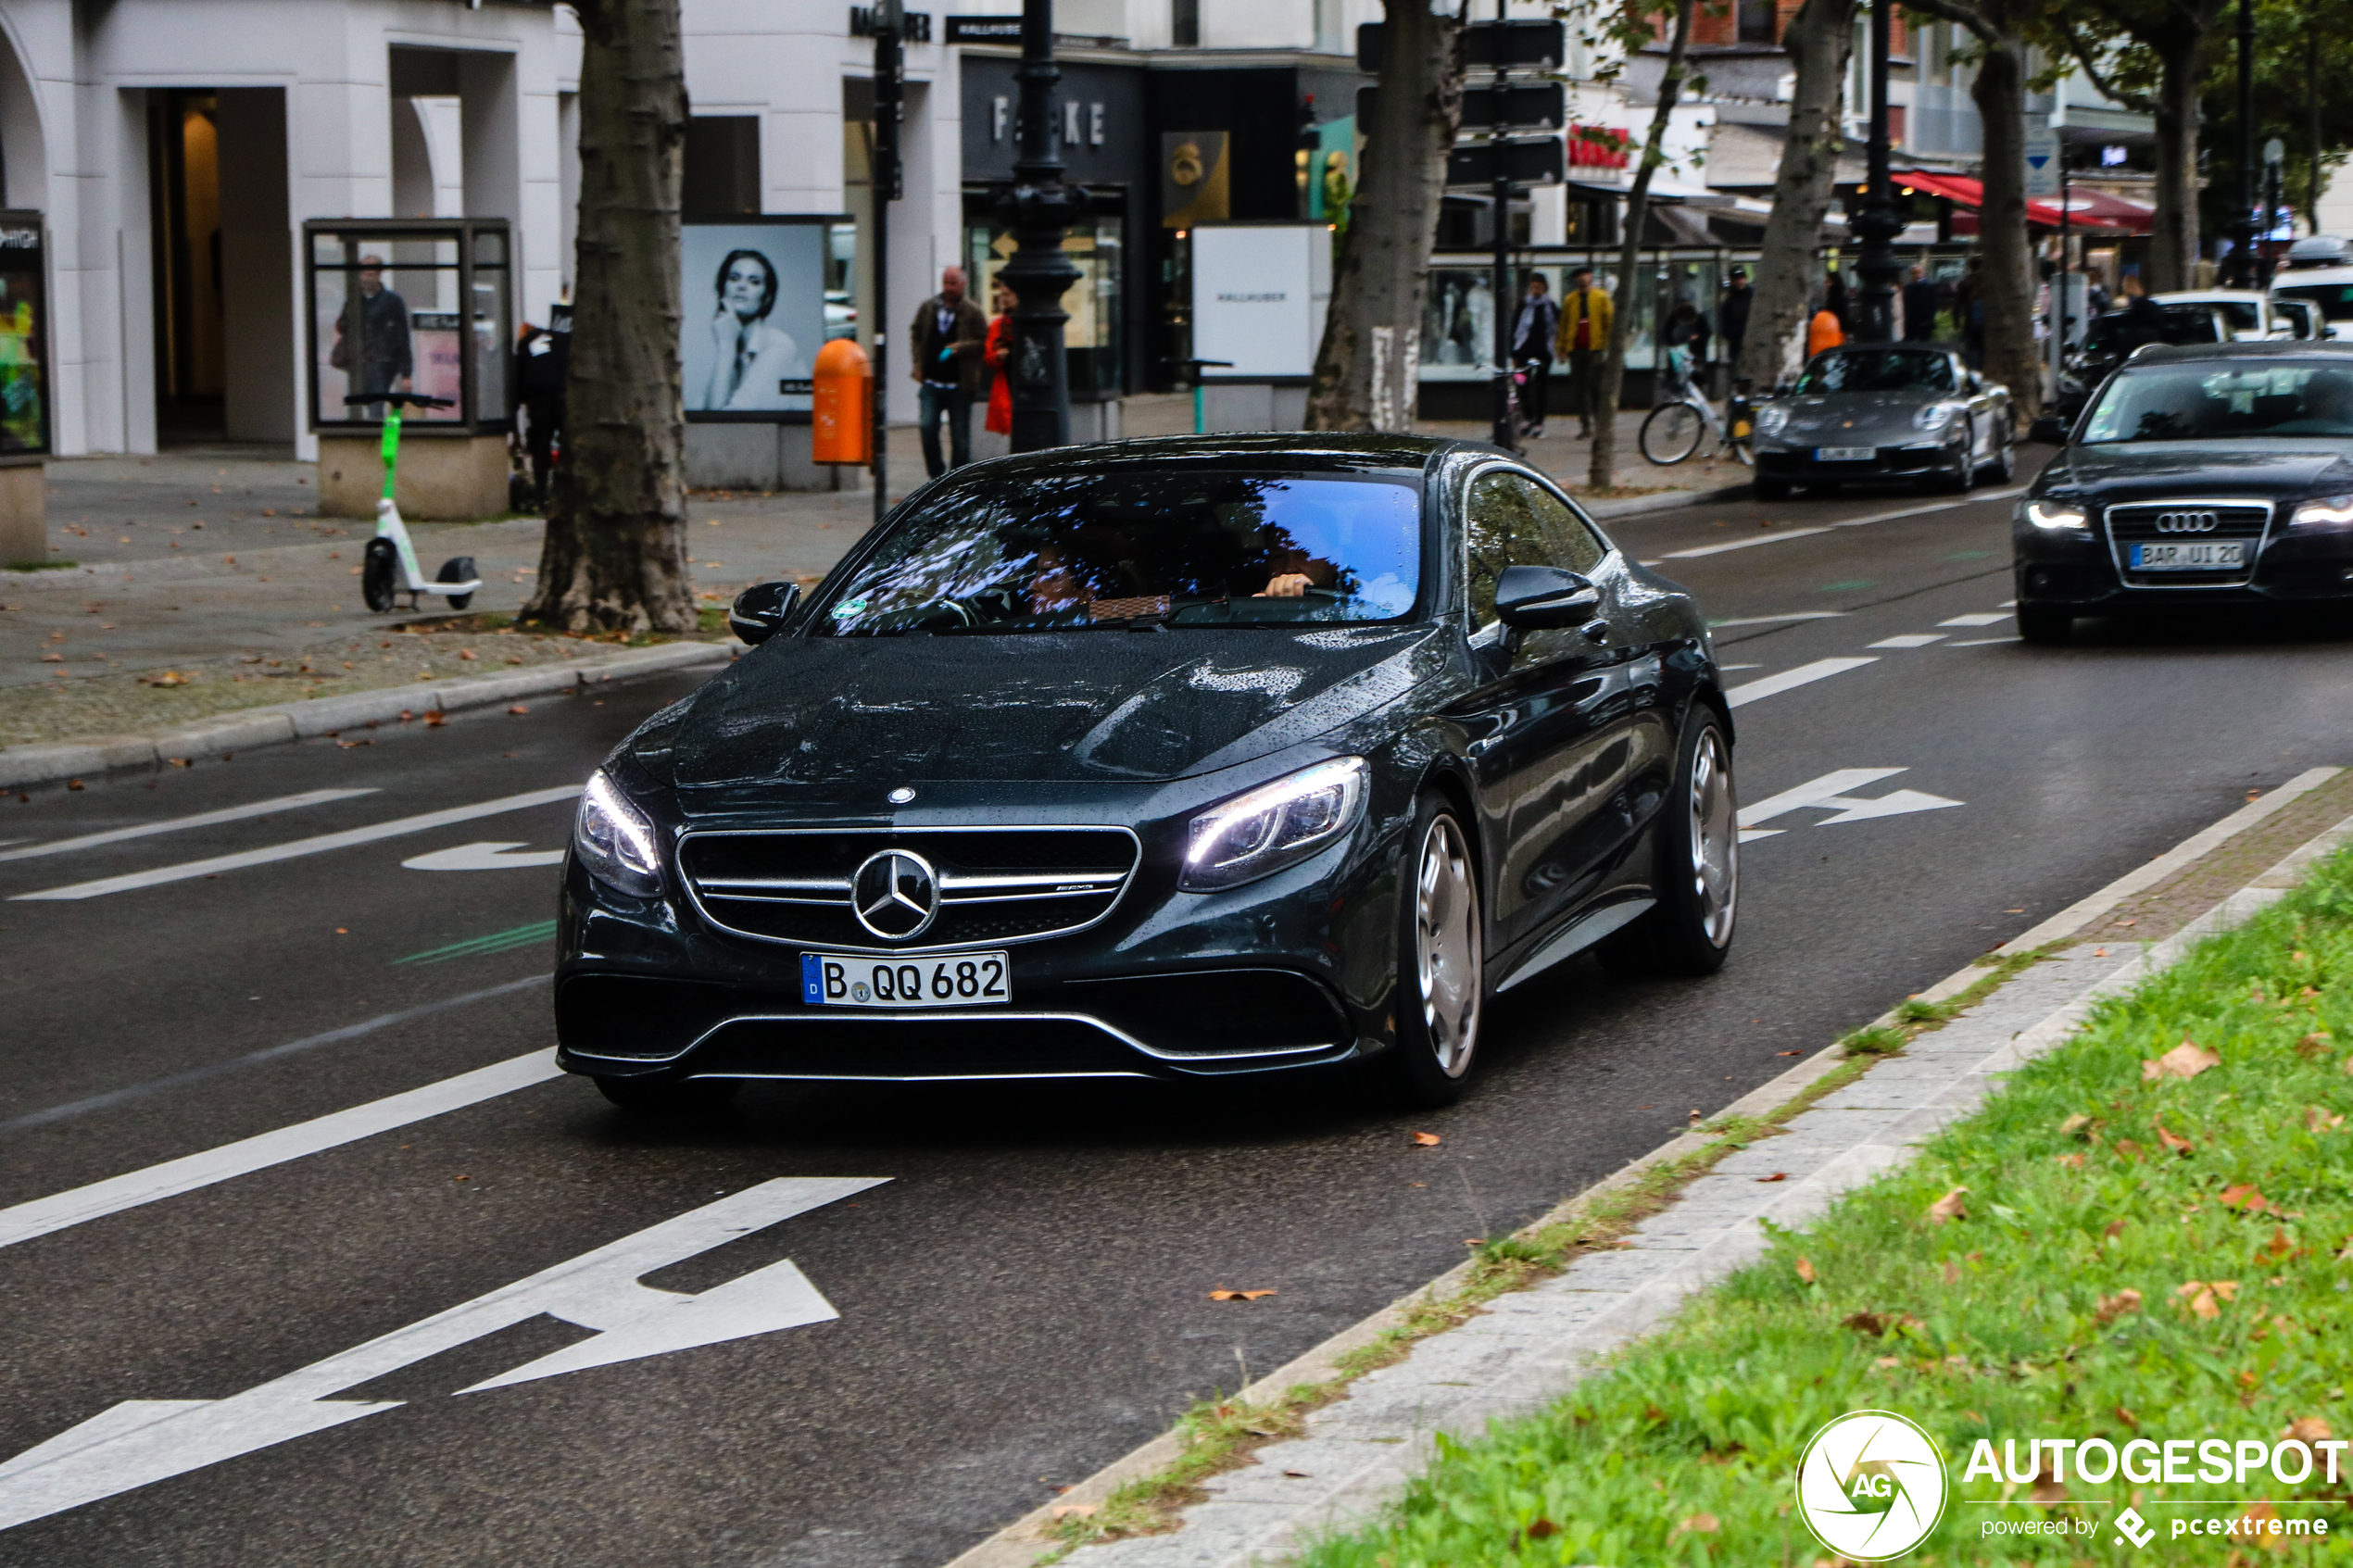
315	845
179	825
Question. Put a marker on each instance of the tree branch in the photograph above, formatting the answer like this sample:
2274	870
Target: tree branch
1969	16
2140	102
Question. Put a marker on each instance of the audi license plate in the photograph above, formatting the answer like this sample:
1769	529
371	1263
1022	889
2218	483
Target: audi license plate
2206	555
1844	454
960	980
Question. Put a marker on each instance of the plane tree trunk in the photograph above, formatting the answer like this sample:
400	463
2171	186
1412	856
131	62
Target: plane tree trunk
1822	41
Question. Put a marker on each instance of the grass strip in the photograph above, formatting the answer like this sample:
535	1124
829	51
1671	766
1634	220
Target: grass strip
2134	1251
497	942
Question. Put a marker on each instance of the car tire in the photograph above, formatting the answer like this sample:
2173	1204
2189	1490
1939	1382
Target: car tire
2045	626
2002	465
660	1096
1689	931
1964	478
1441	980
1772	489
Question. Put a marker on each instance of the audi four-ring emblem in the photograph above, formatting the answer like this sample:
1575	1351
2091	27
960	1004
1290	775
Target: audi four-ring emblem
895	895
2188	522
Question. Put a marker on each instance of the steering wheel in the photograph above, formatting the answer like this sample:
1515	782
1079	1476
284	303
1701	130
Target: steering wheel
954	606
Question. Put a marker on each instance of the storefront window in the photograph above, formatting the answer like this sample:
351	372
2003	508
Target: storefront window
1092	334
422	308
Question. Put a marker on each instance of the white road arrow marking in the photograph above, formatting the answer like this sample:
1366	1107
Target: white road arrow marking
139	1442
484	857
1830	790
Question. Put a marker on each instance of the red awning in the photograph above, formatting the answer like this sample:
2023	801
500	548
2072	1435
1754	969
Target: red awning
2092	212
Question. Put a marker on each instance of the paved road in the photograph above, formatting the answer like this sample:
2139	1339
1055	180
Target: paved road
1022	1295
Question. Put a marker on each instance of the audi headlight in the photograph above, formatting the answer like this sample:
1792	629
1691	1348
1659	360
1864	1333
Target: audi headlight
1277	824
614	840
2055	515
2329	512
1771	419
1934	416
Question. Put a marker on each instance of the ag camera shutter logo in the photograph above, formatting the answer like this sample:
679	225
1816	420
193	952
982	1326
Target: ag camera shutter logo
1871	1486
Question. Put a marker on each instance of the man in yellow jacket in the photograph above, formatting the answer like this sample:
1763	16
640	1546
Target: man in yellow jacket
1584	333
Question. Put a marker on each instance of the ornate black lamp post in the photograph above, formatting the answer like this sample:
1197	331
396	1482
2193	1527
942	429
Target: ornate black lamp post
1039	212
1878	224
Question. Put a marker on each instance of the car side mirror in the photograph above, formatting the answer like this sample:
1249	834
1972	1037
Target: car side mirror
2048	429
1536	598
761	611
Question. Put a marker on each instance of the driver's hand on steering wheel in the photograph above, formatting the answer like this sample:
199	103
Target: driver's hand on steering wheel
1286	585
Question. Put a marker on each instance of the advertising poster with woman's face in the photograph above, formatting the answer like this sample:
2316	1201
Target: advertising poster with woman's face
754	317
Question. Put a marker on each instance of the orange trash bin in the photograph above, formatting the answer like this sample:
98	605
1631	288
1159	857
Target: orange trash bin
842	405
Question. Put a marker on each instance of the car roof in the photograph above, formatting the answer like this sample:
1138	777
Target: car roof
2197	296
1310	449
2272	348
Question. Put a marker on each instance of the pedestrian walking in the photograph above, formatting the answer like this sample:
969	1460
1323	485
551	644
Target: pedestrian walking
1532	335
543	368
1731	316
949	336
1919	306
1001	386
1582	335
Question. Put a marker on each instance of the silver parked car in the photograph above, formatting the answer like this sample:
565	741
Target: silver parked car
1880	413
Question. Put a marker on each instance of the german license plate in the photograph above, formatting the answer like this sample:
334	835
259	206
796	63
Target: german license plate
1844	454
2204	554
960	980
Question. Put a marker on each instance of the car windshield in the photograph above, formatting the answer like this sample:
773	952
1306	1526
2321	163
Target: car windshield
2336	300
2207	402
1877	369
2177	324
1178	546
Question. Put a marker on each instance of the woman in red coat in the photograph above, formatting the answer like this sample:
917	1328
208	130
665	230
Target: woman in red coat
1001	390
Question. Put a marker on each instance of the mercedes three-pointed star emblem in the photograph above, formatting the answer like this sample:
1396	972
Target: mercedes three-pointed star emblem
895	895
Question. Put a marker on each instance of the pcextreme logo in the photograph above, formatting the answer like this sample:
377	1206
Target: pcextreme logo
1871	1486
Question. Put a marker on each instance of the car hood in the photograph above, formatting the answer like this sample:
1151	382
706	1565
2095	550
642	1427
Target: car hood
2121	471
1067	707
1831	415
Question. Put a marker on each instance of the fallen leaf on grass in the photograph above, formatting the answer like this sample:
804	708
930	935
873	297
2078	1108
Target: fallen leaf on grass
2116	1306
1697	1525
2204	1296
1952	1272
2073	1162
2315	1043
1237	1295
2171	1139
1429	1140
2245	1196
1776	1177
1876	1324
2280	1246
2075	1123
2310	1429
1540	1528
2126	1149
2317	1120
2115	1229
168	678
2184	1060
1948	1207
1805	1271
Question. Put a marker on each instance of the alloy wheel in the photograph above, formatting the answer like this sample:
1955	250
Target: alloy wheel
1446	946
1715	837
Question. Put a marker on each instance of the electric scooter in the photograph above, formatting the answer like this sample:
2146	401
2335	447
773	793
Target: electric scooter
390	568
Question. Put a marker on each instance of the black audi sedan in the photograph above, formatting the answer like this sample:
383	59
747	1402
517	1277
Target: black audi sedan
2199	474
1167	759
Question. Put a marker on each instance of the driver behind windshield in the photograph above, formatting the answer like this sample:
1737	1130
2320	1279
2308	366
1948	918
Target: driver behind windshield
1198	548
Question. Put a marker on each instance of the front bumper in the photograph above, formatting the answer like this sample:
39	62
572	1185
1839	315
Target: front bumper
1798	465
1292	970
2055	567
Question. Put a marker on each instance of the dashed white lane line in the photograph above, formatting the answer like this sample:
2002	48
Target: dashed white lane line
1804	674
1778	620
318	845
1992	618
1910	640
1981	642
180	824
24	1220
1753	540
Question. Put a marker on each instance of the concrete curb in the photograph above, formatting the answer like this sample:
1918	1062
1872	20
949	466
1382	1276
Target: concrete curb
1634	506
242	730
1250	1515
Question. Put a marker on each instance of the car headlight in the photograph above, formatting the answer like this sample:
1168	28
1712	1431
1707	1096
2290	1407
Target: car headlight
2329	512
1770	419
1260	832
2055	515
1934	416
614	840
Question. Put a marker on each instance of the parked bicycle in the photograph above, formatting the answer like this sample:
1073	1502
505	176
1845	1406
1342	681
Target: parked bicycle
1673	430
